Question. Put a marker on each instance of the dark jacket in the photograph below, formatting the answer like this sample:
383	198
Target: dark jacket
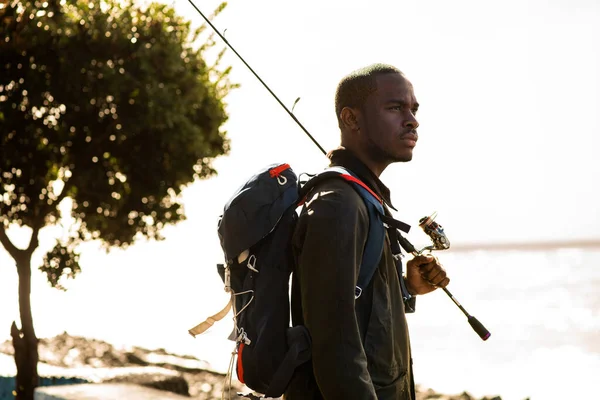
360	348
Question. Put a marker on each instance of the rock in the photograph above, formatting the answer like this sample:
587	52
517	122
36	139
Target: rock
97	361
430	394
175	384
132	358
103	391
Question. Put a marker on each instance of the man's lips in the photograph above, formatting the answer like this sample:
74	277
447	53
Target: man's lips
410	139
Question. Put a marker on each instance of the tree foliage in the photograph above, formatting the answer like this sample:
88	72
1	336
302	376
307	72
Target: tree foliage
111	106
108	104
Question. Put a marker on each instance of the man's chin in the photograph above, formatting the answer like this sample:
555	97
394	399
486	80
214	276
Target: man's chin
389	155
405	157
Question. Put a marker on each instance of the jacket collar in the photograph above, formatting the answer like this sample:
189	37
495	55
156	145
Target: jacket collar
343	157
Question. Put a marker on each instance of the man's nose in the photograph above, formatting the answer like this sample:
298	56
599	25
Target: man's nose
411	121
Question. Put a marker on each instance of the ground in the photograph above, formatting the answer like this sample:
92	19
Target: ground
94	360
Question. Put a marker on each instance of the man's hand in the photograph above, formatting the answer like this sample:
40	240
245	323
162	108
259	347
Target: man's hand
424	274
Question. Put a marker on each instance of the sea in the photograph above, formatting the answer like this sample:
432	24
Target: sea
542	307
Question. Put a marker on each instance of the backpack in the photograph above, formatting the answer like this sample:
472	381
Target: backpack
255	232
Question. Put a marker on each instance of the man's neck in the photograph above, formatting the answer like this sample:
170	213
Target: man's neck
348	159
376	167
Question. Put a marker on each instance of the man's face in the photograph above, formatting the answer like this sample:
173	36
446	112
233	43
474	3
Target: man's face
388	120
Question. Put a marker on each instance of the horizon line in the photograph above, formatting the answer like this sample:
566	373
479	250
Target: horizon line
525	245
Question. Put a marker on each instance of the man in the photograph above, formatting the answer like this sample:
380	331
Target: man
360	346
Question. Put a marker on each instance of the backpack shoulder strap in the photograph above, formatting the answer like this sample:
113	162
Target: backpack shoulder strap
376	236
377	218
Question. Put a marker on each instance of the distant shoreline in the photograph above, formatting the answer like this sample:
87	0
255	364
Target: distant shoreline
529	246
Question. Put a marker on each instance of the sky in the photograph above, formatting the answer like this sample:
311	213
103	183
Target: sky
509	100
509	97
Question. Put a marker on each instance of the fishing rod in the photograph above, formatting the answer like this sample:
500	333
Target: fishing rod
291	114
431	228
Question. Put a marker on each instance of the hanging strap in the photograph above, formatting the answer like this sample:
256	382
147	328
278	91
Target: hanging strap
409	300
391	222
203	326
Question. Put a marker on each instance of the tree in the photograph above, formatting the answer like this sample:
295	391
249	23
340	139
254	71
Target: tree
109	105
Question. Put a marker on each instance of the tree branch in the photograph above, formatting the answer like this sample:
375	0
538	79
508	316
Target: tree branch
34	241
8	245
39	221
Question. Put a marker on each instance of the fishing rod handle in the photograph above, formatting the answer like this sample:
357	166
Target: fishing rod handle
478	327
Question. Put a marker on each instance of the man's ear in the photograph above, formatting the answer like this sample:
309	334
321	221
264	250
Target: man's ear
349	118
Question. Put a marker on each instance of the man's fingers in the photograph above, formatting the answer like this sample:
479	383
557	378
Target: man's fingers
439	280
427	267
435	274
430	269
444	283
422	260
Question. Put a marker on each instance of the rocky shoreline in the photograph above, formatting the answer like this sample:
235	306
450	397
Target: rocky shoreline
90	360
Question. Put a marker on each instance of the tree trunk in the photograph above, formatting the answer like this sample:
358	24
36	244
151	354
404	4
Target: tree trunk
24	340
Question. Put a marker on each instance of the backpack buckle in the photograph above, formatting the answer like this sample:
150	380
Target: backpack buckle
357	292
398	256
251	263
227	275
243	337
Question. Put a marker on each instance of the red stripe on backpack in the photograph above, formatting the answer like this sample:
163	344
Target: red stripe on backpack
361	183
240	365
275	172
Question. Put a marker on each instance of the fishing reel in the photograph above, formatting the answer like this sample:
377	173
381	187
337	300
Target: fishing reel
435	232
